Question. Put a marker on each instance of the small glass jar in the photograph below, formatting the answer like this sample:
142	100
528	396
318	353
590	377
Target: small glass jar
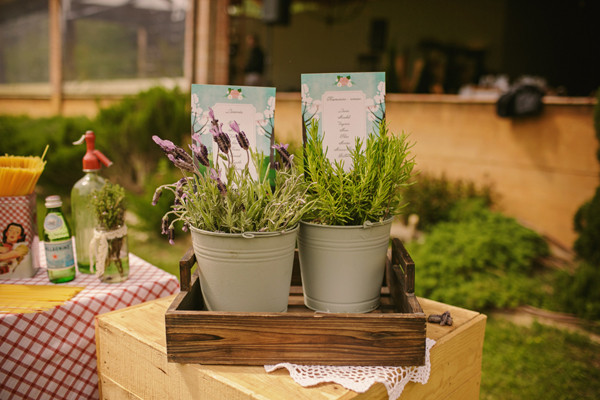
116	263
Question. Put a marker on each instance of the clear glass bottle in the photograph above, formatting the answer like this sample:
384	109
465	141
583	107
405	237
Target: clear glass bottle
83	217
116	266
58	244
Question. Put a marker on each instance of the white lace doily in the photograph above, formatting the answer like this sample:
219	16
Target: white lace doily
360	379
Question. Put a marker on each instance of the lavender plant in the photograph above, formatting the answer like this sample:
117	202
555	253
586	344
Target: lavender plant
370	190
219	197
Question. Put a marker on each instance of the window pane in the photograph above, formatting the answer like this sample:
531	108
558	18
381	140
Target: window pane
23	41
113	39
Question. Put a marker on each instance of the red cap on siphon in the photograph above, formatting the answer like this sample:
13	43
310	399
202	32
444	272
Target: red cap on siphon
92	157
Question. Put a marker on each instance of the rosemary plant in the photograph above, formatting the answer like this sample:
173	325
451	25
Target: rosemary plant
108	204
370	190
219	197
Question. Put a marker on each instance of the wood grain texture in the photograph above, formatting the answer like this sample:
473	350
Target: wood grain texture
394	335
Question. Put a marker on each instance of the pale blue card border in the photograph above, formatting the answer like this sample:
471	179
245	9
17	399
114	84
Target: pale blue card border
313	86
262	98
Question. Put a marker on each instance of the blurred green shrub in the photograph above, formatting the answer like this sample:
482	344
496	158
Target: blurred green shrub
587	225
478	259
25	136
587	218
432	198
124	132
149	216
578	293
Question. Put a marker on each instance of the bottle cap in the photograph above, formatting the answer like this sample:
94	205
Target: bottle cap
92	157
53	201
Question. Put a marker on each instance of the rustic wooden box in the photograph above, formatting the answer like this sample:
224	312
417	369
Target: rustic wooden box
392	335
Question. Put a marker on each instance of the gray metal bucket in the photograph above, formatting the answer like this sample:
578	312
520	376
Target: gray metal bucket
245	272
343	266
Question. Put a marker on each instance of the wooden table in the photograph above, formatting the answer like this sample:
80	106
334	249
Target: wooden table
132	363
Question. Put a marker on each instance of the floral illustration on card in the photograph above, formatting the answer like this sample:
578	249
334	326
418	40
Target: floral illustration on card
376	105
343	80
233	93
199	116
311	108
265	120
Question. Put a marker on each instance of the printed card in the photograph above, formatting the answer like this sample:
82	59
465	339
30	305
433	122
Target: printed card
253	108
346	106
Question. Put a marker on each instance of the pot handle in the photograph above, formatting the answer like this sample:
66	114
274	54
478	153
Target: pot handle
401	257
185	270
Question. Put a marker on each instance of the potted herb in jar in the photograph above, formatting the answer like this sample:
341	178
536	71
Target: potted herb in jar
243	228
109	243
343	241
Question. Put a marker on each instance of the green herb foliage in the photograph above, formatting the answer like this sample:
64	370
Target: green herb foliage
219	197
108	204
370	190
479	259
249	205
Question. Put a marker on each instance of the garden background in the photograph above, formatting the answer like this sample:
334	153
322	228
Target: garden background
466	253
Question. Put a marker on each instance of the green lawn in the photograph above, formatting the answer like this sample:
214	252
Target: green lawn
538	362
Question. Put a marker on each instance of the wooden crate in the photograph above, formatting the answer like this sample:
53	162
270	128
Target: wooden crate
132	363
392	335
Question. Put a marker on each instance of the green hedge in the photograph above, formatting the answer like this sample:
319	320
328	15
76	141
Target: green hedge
478	259
432	198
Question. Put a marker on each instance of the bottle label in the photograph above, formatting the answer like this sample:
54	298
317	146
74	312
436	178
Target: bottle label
55	227
59	255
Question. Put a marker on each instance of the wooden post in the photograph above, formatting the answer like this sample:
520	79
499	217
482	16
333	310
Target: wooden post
221	40
202	32
56	76
189	52
211	33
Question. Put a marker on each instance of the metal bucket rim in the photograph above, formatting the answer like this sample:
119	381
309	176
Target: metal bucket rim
366	225
246	235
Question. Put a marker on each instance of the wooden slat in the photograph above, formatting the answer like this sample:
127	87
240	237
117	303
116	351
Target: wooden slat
185	269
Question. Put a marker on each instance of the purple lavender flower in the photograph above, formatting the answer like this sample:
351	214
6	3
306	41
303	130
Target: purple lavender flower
174	152
221	138
214	175
156	196
222	188
240	135
234	126
201	153
166	145
181	164
179	187
182	155
164	225
286	157
171	235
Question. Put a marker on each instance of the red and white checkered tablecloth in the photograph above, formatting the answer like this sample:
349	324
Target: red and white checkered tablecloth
52	354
